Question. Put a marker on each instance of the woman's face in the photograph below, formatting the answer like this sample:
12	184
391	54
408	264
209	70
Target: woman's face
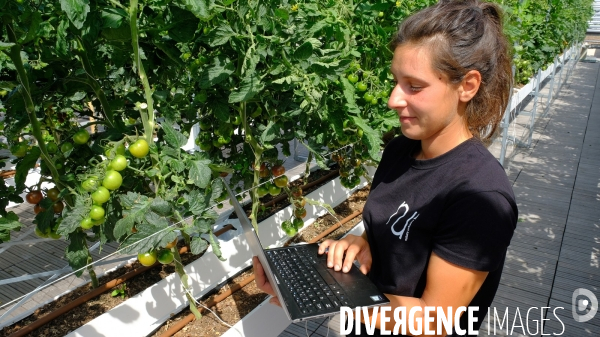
427	104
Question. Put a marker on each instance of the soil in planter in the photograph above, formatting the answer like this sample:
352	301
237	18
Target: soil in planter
240	303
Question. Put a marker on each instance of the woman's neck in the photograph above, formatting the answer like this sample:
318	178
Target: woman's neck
443	142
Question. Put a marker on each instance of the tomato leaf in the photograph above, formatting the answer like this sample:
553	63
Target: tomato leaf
77	11
197	201
219	36
44	220
371	137
250	86
9	223
219	70
73	216
77	252
160	207
203	226
199	8
173	137
200	172
216	189
304	51
62	45
214	243
113	17
198	245
272	131
24	165
149	236
136	206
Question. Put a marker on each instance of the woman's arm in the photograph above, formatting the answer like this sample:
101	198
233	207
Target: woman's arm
448	285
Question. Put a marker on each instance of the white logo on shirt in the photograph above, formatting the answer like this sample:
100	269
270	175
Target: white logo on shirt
407	224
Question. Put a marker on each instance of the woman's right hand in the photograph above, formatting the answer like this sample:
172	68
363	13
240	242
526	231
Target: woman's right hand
354	247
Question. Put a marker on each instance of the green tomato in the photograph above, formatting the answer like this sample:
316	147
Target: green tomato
353	78
374	101
380	14
205	125
51	147
206	146
97	212
298	223
224	140
368	97
274	190
262	190
90	184
87	223
40	233
66	147
147	259
119	163
288	228
19	150
98	222
361	86
101	195
81	137
281	181
139	149
112	180
237	120
165	256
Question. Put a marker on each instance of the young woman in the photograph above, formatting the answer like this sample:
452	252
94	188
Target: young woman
441	211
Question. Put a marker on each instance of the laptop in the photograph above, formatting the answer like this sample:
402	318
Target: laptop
306	288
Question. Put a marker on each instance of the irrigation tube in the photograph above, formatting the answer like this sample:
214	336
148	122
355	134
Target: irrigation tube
239	285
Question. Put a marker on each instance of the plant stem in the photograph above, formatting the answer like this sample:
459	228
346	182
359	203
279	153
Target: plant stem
258	151
147	119
91	81
90	269
184	281
15	56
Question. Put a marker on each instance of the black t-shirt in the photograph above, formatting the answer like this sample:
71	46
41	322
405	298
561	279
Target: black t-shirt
459	205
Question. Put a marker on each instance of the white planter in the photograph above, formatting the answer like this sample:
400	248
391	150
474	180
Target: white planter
145	312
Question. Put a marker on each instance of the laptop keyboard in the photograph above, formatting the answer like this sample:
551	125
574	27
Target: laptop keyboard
308	280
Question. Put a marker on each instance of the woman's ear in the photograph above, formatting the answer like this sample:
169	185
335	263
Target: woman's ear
469	85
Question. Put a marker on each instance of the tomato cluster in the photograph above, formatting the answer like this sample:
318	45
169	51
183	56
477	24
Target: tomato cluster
100	189
163	256
35	197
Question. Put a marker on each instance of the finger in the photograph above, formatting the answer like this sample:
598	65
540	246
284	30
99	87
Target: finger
330	255
338	254
259	272
324	245
350	257
365	269
275	301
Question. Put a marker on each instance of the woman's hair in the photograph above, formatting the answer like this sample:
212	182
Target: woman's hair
464	35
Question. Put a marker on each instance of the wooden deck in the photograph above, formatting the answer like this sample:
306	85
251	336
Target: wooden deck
556	246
